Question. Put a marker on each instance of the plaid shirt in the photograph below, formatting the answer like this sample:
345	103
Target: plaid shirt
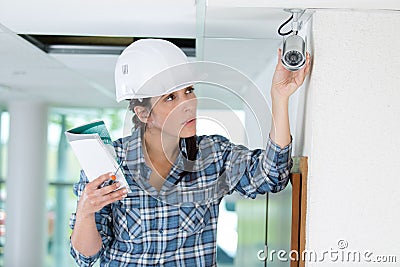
151	228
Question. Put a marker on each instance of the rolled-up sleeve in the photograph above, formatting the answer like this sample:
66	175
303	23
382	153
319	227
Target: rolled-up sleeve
103	223
261	170
83	260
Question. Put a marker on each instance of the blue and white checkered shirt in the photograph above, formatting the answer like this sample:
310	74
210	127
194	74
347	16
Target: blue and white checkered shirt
151	228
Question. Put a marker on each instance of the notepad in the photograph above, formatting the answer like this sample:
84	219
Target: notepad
92	146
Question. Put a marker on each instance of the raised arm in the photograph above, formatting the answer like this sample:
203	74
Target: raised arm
284	84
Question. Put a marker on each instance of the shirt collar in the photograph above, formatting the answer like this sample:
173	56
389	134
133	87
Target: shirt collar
135	158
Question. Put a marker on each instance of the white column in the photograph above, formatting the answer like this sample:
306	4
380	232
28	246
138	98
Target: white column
353	180
26	185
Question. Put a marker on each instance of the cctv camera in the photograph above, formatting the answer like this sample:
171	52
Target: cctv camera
293	53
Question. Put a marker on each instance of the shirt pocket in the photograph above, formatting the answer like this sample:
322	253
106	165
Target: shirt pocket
193	217
127	221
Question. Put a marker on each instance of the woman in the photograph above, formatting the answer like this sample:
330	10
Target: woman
142	229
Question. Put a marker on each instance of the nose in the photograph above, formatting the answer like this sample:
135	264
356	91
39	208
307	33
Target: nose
187	105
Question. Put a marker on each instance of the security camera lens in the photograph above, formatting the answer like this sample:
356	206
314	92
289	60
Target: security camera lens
293	58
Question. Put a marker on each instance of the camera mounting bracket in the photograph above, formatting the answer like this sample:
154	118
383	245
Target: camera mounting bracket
297	13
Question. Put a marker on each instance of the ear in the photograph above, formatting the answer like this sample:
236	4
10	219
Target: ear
142	113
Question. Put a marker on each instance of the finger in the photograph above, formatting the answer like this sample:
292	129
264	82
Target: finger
279	54
308	64
109	188
114	196
302	75
299	75
96	183
280	65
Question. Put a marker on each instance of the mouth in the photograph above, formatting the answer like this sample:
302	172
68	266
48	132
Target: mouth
190	121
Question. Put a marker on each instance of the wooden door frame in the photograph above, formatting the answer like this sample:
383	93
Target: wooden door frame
298	179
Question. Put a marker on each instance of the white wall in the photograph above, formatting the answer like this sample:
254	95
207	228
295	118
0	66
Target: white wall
353	130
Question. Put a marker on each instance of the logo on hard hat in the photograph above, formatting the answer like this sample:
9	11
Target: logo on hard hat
125	69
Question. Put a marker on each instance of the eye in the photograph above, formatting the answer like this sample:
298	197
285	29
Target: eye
170	97
189	90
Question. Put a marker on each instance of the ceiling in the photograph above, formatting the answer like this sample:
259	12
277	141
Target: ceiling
26	72
222	30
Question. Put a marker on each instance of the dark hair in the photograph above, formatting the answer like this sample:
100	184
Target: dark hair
190	142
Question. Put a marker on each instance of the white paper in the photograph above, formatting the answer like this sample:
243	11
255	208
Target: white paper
94	157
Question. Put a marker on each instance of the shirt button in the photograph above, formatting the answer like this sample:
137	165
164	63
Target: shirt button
161	231
161	261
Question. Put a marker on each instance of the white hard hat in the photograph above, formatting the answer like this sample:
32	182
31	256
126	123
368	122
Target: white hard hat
148	61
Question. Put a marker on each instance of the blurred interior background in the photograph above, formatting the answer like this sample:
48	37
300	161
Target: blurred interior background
61	57
57	71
